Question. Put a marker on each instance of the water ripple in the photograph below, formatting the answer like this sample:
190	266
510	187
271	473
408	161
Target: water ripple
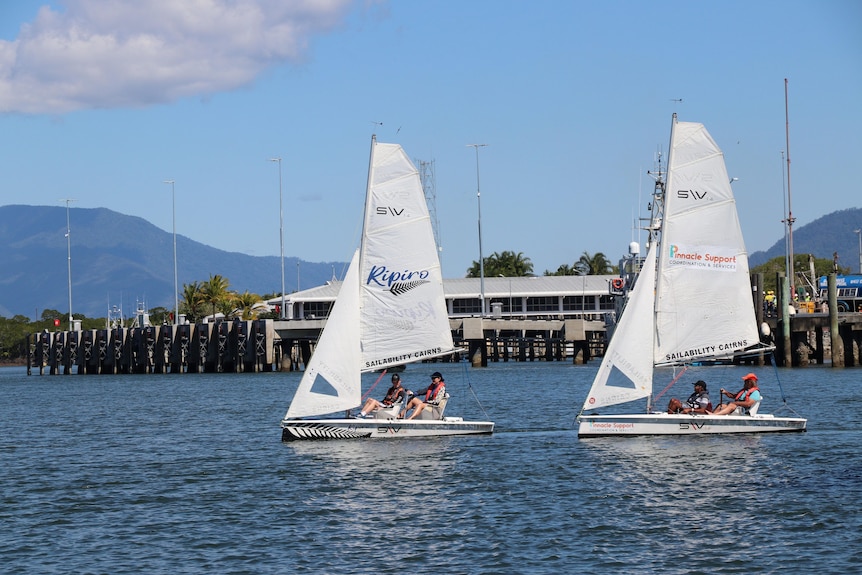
187	475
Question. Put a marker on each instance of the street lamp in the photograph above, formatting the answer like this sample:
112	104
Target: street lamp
174	224
859	233
69	256
481	259
281	235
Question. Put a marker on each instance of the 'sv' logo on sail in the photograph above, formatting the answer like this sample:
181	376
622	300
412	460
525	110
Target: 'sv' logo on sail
399	288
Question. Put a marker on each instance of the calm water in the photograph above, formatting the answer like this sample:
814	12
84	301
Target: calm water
187	474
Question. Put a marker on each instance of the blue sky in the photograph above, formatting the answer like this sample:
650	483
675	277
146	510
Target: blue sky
102	102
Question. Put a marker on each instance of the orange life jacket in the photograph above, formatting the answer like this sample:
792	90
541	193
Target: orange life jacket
745	393
431	393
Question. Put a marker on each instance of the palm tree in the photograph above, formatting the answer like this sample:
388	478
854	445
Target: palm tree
508	264
563	270
192	300
215	292
246	302
597	264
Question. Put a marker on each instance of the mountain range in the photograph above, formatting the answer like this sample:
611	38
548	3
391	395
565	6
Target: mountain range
120	260
824	236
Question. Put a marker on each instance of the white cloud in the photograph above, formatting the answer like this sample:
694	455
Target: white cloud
114	53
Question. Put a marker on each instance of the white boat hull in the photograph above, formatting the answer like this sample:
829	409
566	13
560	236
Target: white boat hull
315	429
684	424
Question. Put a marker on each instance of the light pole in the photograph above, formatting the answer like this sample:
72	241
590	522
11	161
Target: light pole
174	224
281	236
859	233
481	259
791	273
69	256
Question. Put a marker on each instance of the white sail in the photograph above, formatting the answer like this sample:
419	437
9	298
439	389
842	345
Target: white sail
691	301
331	381
703	295
627	366
403	309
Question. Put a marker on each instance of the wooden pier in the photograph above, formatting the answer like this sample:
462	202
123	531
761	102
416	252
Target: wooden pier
806	336
811	341
227	346
238	346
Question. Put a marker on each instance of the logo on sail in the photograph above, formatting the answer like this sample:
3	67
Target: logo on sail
397	282
707	258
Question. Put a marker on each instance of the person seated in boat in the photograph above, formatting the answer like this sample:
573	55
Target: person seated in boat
746	397
395	394
432	396
697	402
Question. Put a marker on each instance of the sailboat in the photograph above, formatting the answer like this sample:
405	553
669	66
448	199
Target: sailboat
691	303
390	311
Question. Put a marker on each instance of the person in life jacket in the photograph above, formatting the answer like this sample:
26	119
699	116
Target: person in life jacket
431	395
746	397
697	402
395	394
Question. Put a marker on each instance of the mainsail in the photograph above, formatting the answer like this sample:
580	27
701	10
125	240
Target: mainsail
403	308
703	306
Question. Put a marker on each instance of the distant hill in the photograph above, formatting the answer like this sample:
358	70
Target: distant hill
118	260
825	235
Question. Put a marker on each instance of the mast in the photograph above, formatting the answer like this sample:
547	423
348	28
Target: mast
791	275
367	197
658	223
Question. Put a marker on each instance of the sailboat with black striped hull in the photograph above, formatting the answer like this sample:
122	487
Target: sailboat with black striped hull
390	311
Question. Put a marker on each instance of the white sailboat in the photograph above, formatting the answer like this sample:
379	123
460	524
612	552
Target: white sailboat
691	303
390	311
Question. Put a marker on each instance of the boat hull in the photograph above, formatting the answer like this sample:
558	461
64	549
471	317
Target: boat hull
685	424
318	429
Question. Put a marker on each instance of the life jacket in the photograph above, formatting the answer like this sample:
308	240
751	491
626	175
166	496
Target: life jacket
745	393
693	401
394	395
433	390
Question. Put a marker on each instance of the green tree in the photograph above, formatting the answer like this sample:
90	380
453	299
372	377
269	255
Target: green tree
159	315
508	264
192	301
801	268
216	292
245	303
597	264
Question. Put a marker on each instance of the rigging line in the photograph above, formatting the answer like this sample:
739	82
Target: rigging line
672	382
370	389
777	378
470	387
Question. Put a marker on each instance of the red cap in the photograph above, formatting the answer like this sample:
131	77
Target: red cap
749	376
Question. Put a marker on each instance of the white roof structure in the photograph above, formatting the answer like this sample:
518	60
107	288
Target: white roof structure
517	290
